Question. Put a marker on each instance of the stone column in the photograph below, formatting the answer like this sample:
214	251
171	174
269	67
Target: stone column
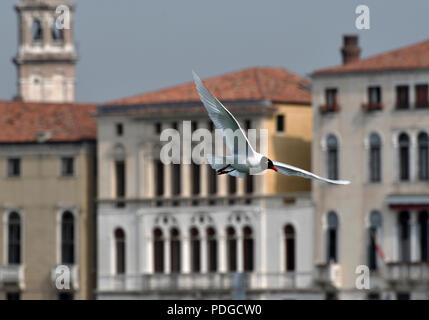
414	234
185	254
222	251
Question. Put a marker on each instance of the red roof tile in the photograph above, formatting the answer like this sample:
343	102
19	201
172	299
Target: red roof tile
23	122
275	84
411	57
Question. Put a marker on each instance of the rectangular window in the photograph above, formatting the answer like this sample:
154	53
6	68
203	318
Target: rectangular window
249	183
422	100
212	180
67	166
280	123
119	129
374	95
159	178
120	182
176	179
402	99
194	126
247	125
195	179
158	128
211	126
331	97
14	167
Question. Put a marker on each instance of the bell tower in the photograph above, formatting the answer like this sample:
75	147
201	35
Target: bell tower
46	55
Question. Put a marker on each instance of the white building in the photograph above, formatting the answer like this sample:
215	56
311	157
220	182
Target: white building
180	231
371	126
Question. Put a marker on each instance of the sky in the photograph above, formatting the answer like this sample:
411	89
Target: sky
128	47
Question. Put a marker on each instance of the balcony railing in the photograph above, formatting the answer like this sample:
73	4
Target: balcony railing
372	107
65	277
329	108
421	105
407	272
202	282
12	275
212	200
328	275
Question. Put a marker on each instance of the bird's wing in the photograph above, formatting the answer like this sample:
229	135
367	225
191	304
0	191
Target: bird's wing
294	171
223	120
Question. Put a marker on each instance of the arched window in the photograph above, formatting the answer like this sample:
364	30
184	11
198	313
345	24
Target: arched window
374	158
120	250
423	142
37	30
332	237
57	34
404	236
375	222
158	250
231	244
404	157
424	236
175	250
248	249
14	238
332	157
67	238
289	233
195	250
211	249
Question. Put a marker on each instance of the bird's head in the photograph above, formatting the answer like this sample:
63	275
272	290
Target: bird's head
271	166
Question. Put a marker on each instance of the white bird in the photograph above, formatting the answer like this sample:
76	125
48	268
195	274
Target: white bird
250	161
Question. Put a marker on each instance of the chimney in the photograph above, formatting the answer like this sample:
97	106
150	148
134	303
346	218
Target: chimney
350	50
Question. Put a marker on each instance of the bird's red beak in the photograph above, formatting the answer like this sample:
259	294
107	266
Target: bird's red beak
275	169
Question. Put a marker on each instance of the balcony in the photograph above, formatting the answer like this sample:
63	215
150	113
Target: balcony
12	276
328	275
203	282
65	277
368	107
407	273
329	108
421	105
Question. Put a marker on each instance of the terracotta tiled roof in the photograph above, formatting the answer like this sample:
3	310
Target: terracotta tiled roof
22	122
411	57
264	83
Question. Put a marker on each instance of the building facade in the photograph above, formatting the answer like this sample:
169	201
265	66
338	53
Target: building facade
47	165
178	230
371	121
46	54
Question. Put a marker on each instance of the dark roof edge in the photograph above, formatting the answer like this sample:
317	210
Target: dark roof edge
105	109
